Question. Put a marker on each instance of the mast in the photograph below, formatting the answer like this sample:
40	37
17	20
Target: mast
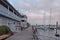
50	18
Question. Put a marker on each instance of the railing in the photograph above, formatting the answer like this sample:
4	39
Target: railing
9	14
42	37
45	35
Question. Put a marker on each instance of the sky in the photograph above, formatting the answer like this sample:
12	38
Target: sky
39	11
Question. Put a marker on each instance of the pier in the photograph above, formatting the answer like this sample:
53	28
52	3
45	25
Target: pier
29	20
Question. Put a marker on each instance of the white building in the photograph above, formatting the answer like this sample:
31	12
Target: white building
24	21
9	16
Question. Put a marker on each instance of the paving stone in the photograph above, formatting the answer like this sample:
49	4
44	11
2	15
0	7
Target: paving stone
24	35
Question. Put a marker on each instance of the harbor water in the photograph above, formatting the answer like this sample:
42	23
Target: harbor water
47	34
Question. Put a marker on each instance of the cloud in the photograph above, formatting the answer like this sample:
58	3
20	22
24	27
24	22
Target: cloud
35	9
27	5
42	1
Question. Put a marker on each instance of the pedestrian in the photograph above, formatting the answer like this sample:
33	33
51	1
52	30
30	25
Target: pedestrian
21	28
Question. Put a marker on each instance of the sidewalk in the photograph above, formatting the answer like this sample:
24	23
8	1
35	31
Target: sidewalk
24	35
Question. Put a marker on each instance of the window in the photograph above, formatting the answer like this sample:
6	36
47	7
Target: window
23	20
10	9
3	4
22	16
16	14
14	23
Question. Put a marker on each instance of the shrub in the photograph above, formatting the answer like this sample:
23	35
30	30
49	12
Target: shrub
4	30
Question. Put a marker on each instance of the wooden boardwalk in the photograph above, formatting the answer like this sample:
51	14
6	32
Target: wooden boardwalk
24	35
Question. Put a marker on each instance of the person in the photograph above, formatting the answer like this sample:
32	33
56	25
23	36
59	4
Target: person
35	30
21	28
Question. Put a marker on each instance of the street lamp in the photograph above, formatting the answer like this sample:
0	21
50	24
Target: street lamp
57	35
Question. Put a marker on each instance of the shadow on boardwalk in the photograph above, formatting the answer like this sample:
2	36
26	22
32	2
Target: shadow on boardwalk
24	35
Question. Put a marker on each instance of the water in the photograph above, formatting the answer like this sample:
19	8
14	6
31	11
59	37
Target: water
46	34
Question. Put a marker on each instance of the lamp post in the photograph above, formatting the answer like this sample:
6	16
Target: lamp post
56	26
56	34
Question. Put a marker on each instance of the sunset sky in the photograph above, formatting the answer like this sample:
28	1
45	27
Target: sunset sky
37	10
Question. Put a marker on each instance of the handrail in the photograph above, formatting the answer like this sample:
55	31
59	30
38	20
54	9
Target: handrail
43	37
46	37
9	15
38	36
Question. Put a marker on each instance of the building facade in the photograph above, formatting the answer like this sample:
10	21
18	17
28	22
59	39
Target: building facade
9	16
23	21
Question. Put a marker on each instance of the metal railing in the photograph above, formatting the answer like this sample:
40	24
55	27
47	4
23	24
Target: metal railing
38	36
9	14
42	37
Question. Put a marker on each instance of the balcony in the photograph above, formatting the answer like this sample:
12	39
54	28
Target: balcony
5	12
